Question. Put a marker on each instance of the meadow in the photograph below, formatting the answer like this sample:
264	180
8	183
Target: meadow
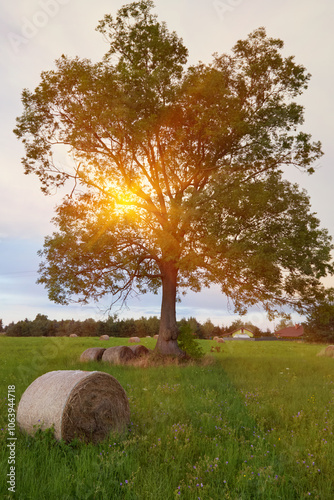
254	421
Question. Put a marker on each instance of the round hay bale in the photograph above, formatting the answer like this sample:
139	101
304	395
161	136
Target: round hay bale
104	337
328	351
87	405
134	339
139	350
92	354
215	338
156	336
220	341
118	355
73	335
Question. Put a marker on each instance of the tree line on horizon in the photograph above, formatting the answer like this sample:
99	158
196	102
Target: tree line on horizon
319	327
42	326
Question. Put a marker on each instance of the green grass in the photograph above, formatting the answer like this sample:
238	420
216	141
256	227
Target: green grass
257	423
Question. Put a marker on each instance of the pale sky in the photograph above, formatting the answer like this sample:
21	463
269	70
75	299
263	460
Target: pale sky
36	32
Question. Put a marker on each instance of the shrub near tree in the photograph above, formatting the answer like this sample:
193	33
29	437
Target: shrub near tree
175	173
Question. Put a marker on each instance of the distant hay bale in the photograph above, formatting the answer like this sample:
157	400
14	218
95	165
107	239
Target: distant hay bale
86	405
118	355
148	336
104	337
139	350
134	339
92	354
73	335
215	338
328	352
220	341
156	336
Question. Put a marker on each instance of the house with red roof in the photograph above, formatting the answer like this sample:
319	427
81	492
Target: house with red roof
290	332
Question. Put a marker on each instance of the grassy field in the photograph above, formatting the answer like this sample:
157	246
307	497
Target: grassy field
255	423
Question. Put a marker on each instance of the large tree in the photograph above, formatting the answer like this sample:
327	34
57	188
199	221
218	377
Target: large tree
175	172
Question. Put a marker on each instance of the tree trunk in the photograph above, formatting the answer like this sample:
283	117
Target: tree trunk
168	331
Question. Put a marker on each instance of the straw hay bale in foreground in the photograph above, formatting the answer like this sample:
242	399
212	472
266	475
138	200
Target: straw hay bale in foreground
134	339
139	350
92	354
104	337
88	405
118	355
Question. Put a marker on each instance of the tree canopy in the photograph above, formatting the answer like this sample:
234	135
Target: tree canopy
176	172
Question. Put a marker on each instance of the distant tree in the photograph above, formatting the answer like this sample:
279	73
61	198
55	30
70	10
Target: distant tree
153	325
257	332
176	173
41	326
73	328
20	329
319	324
284	323
235	325
147	326
109	327
127	327
141	327
1	326
89	328
192	326
208	329
61	328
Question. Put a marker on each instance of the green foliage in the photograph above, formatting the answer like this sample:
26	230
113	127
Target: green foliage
187	343
114	327
320	319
